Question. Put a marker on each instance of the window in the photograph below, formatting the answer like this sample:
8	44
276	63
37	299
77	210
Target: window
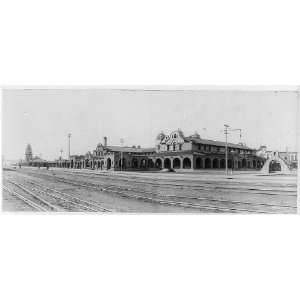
174	147
180	147
168	147
158	147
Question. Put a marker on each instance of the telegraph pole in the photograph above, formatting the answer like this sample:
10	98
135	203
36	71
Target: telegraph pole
226	147
122	142
226	144
69	137
240	130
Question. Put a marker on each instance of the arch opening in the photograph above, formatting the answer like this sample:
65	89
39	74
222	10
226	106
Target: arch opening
176	163
244	163
158	163
187	163
199	164
167	163
143	163
215	163
150	163
207	163
135	163
108	163
254	164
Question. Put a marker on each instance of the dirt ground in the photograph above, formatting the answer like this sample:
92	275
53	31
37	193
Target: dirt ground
158	192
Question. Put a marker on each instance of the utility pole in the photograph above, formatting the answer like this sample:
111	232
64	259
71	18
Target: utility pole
226	144
240	130
122	142
69	137
226	147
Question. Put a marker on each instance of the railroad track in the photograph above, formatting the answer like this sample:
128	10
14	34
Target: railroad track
156	198
177	200
42	206
89	205
139	194
199	186
65	200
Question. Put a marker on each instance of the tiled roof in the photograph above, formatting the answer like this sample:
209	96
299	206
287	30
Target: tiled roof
37	159
129	149
216	143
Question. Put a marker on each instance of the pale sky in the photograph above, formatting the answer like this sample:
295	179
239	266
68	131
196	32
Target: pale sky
43	118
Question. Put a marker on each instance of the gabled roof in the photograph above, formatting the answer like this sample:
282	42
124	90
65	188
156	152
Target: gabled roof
129	149
216	143
37	159
77	156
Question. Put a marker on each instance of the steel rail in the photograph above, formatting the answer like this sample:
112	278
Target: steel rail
160	201
101	208
132	178
22	187
180	203
26	200
106	188
202	186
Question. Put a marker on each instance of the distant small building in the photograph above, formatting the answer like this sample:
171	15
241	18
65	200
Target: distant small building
28	153
289	157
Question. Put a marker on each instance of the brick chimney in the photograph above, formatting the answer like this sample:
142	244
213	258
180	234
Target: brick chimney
105	141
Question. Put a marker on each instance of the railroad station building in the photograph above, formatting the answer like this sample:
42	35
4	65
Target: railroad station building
173	151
